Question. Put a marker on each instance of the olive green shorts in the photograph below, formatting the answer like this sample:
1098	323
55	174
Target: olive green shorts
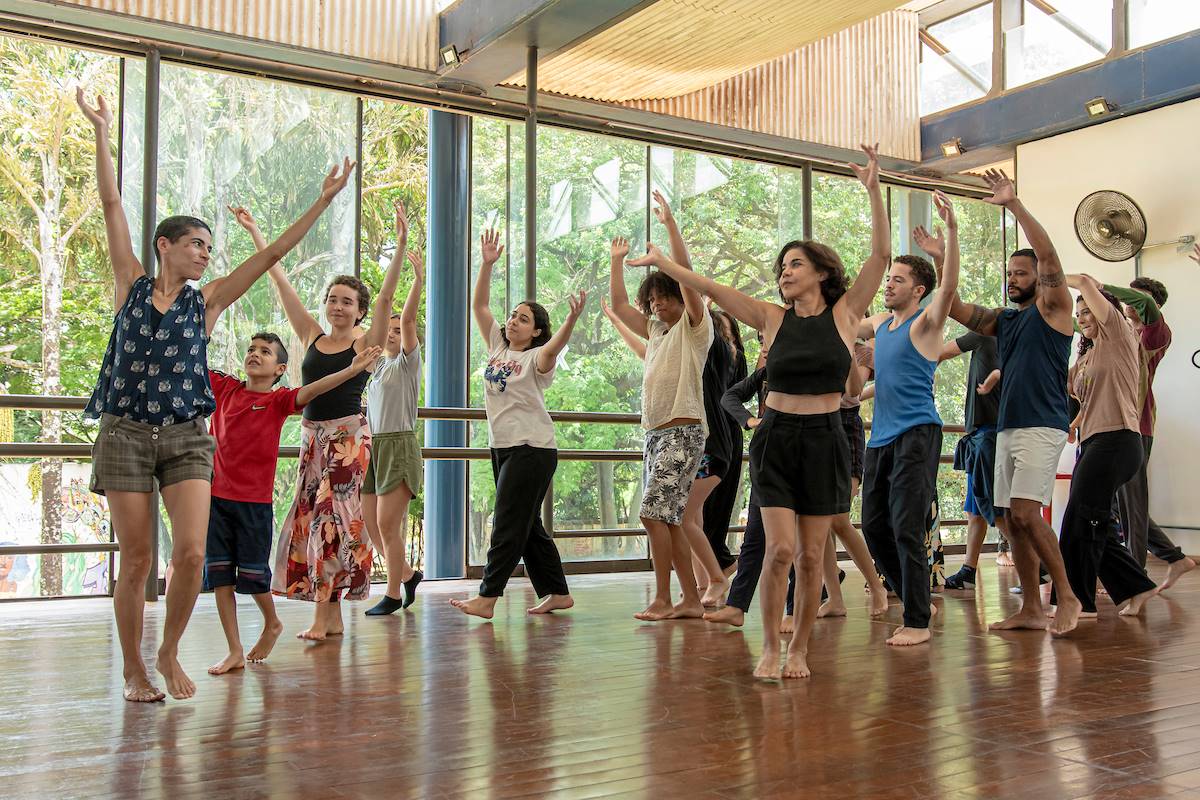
395	459
128	455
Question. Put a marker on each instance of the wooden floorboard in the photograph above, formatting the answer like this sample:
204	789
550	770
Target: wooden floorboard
593	704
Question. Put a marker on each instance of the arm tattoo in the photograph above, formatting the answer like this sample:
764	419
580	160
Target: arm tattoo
981	318
1052	280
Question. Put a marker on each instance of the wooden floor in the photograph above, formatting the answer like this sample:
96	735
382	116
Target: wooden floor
429	704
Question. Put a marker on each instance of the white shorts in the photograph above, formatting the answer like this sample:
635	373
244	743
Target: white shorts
1026	463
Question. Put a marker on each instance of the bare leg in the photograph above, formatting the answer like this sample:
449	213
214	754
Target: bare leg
187	504
976	533
1027	515
390	512
227	611
693	526
133	525
1032	615
320	625
334	626
659	535
835	605
681	556
780	528
814	534
272	627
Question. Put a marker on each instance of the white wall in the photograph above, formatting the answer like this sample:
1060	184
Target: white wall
1153	158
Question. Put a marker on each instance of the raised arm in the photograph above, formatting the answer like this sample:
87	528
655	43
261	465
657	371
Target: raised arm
491	250
947	290
377	333
363	360
935	246
220	293
1053	295
858	297
1142	303
634	319
550	350
856	382
412	303
692	300
1089	287
631	339
303	323
950	350
742	306
126	266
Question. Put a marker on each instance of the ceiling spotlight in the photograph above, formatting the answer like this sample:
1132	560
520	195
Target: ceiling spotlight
952	148
1098	107
449	56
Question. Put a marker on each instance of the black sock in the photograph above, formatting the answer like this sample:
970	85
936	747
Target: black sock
387	605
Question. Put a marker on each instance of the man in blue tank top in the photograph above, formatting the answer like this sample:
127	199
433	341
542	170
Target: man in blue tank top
1034	341
900	473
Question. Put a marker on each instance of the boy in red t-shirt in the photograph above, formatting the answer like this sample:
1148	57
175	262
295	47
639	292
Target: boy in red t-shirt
247	425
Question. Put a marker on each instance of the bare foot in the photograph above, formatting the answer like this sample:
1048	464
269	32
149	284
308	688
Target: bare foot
1066	616
228	664
907	637
879	600
787	625
1004	560
729	615
179	685
768	666
1175	570
1022	621
1052	611
1136	603
313	634
714	595
796	664
827	609
139	689
657	610
686	610
483	607
266	641
553	602
334	626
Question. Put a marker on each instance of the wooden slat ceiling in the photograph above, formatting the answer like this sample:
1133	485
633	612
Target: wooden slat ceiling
674	47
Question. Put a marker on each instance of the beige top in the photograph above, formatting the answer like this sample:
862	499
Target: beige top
672	385
1105	379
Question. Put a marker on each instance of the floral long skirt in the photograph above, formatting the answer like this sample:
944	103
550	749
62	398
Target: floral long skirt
323	548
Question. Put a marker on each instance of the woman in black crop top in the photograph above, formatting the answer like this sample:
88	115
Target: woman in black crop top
799	460
335	444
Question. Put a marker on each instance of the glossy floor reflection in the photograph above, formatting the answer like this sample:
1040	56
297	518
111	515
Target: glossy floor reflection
429	704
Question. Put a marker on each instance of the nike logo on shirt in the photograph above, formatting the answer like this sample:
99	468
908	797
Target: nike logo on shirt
257	408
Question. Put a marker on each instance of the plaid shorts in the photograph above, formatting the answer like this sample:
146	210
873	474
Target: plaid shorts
672	456
128	455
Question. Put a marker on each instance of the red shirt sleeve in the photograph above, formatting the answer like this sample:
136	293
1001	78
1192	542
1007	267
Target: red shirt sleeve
285	402
221	383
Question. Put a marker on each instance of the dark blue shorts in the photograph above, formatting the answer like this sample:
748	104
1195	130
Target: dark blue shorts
238	550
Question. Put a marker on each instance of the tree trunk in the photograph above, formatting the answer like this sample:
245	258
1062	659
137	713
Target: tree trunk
608	505
53	259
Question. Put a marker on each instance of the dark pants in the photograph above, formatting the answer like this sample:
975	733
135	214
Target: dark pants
1141	532
899	484
523	475
718	507
1089	542
750	561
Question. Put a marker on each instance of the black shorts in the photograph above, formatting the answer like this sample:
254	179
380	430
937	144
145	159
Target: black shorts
801	462
238	550
856	440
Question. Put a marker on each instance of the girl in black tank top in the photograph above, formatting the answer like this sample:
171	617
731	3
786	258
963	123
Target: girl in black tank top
800	463
345	400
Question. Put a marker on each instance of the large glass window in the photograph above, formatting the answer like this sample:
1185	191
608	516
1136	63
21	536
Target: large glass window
956	60
1154	20
1053	39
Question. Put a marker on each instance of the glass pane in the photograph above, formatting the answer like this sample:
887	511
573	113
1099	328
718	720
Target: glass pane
1046	44
1155	20
956	60
841	218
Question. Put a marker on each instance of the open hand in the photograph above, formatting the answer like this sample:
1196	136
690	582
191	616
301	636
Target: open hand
418	265
933	244
619	248
401	221
662	211
490	247
336	181
869	174
1003	191
101	116
243	217
653	257
576	304
1195	254
864	355
945	209
366	358
608	312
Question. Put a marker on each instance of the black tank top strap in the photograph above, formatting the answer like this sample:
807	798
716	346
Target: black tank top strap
808	355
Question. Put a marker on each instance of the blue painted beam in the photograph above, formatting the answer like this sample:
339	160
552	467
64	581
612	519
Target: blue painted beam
1140	81
491	35
448	220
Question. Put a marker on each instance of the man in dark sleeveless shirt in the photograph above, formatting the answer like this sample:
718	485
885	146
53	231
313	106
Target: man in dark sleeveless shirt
900	473
1034	340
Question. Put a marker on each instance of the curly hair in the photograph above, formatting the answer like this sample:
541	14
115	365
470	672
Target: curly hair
922	271
541	321
1085	343
825	261
364	293
1151	287
657	283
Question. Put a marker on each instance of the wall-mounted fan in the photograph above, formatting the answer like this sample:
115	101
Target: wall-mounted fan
1110	225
